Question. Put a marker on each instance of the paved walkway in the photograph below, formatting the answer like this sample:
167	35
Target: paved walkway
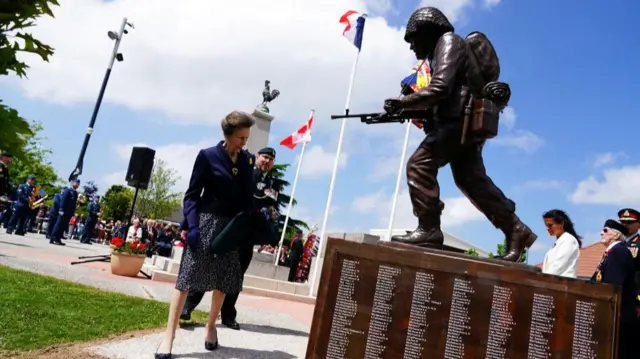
273	328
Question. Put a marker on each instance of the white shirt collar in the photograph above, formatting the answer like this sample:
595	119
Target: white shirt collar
612	245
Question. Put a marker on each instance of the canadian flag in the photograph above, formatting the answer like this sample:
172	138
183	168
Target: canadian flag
302	135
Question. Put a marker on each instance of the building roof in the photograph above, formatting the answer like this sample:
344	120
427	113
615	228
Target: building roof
449	240
590	256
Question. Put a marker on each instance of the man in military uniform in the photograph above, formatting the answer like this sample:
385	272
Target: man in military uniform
616	267
5	161
68	202
456	79
21	207
631	219
53	213
92	219
5	203
266	201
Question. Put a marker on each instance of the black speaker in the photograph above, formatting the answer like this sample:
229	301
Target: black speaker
140	167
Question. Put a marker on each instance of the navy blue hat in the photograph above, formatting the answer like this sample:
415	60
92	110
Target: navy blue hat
613	224
76	180
268	151
31	177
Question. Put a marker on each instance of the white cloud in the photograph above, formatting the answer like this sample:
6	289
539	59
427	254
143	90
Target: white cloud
458	210
318	162
492	3
508	118
179	156
199	60
520	139
606	159
618	186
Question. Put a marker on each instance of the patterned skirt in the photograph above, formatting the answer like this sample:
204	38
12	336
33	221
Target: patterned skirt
203	271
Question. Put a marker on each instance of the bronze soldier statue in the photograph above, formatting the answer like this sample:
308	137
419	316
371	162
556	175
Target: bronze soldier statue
465	101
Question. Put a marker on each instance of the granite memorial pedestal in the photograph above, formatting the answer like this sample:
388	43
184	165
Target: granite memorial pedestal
396	301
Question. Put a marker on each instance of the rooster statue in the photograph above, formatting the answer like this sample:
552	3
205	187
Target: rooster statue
267	96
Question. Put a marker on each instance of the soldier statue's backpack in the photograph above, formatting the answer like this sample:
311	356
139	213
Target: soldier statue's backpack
489	97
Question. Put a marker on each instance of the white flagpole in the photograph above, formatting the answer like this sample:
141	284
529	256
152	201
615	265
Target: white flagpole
293	191
394	201
327	209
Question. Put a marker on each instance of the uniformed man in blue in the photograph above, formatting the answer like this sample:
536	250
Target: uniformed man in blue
68	202
5	161
617	267
5	187
265	199
21	207
92	219
53	213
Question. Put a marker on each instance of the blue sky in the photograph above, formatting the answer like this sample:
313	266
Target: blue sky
566	141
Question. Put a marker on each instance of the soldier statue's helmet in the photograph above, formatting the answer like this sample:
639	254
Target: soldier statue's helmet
427	17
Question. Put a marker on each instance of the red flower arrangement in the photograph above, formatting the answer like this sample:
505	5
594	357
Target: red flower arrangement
121	246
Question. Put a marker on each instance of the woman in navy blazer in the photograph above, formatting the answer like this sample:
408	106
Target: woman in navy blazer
221	187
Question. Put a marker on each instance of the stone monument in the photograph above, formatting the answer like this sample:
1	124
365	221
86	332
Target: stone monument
392	300
260	132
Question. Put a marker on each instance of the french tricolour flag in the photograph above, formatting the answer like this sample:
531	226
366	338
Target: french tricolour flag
302	135
353	27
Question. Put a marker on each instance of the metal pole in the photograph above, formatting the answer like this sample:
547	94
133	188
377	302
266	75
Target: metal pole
78	170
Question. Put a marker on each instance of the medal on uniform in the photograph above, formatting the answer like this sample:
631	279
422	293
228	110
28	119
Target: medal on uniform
271	194
599	276
261	186
634	251
234	171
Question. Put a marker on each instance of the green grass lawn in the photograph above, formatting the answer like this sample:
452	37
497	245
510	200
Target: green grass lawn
37	311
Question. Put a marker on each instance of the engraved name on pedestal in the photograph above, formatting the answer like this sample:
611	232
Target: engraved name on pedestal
381	311
421	305
458	327
583	343
500	323
542	326
344	312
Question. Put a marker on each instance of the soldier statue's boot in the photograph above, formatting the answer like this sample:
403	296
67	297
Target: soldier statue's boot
428	234
518	238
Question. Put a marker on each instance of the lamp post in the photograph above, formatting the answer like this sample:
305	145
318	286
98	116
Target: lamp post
115	55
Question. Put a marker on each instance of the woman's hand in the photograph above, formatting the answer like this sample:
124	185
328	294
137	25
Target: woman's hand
193	238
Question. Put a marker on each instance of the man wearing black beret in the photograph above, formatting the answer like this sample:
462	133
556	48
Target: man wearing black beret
617	268
266	200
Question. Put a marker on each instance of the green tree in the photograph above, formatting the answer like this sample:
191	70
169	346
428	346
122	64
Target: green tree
16	17
472	252
501	249
280	184
15	132
159	200
35	161
116	203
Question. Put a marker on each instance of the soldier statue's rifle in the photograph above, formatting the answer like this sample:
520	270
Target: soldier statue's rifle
402	116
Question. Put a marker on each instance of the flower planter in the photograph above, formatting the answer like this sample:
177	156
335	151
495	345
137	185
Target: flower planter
128	265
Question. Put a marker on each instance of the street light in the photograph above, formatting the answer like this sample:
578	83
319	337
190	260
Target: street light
115	55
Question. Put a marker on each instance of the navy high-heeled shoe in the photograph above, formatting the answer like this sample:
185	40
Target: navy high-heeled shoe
163	356
210	346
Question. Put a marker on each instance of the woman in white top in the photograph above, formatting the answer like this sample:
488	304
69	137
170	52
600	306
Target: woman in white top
562	259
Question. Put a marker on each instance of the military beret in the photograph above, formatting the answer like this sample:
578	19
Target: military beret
6	154
268	151
628	215
31	177
613	224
